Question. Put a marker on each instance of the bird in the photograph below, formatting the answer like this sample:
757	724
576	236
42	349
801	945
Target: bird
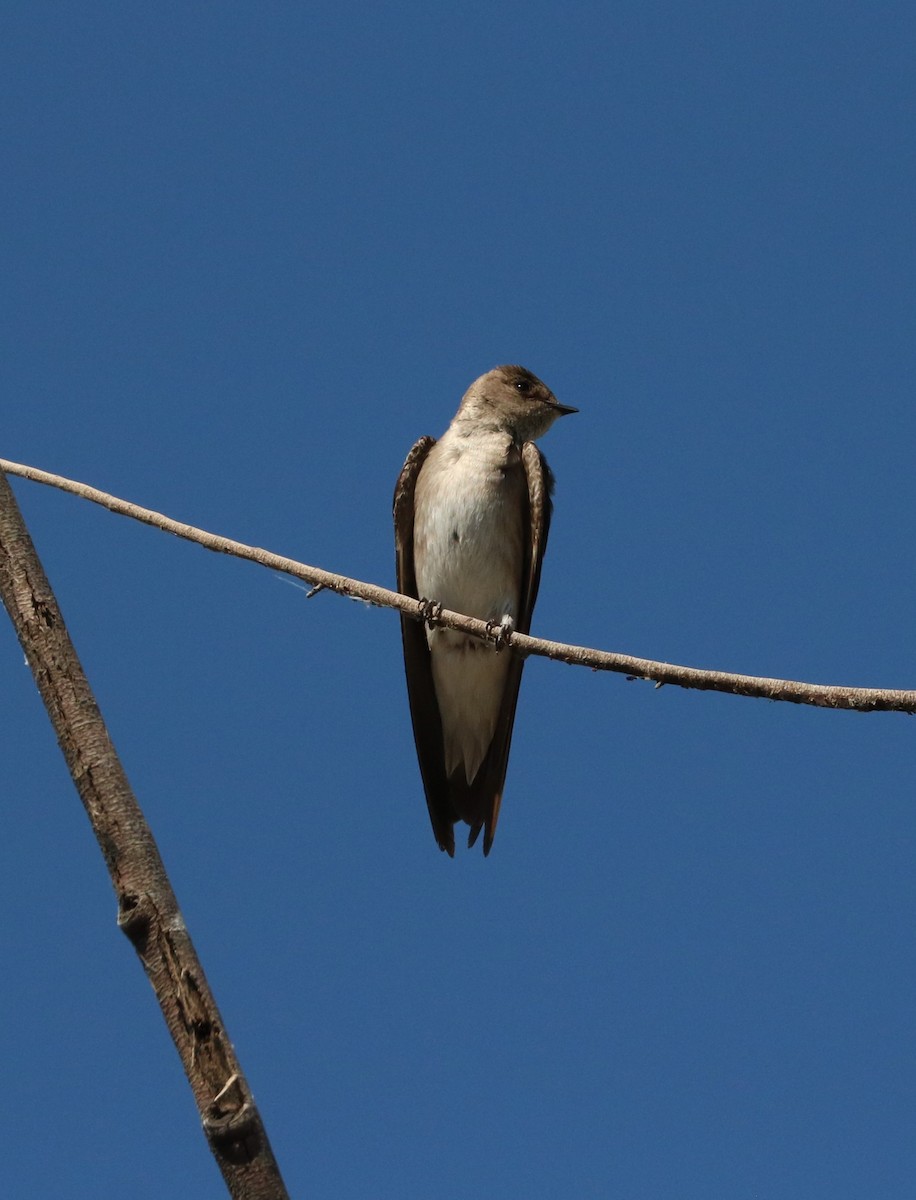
471	517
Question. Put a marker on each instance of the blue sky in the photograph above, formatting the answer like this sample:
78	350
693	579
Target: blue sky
250	254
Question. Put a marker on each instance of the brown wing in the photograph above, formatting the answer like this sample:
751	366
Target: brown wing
484	796
424	708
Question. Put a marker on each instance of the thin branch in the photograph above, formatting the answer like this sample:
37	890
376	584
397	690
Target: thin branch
148	911
821	695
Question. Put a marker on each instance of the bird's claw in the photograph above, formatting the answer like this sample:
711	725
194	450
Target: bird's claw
431	611
501	632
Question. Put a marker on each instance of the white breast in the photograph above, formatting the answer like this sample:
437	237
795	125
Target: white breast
468	555
467	535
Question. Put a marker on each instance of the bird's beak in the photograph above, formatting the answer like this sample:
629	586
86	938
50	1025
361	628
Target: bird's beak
563	409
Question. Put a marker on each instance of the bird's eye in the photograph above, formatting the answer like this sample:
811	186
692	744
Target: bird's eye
524	386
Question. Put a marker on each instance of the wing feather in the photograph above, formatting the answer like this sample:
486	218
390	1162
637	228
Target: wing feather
491	778
421	692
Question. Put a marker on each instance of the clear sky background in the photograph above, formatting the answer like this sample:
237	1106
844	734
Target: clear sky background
251	252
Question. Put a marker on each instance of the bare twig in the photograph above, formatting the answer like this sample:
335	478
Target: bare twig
147	908
821	695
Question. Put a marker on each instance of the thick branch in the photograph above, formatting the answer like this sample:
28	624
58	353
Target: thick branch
819	694
147	908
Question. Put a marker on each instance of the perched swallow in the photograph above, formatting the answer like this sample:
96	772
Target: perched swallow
471	516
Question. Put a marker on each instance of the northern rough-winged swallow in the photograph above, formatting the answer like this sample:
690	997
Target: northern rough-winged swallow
471	515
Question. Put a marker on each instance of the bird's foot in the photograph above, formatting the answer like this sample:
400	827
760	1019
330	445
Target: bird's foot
501	632
430	610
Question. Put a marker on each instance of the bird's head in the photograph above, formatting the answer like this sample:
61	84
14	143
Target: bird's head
515	401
